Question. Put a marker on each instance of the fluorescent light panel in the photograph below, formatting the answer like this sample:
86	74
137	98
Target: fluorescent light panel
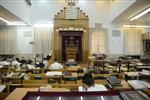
12	23
6	21
17	23
138	26
140	14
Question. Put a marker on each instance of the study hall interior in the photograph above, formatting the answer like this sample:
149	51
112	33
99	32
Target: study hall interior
49	45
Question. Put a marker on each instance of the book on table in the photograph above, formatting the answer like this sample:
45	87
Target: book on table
134	95
139	84
114	81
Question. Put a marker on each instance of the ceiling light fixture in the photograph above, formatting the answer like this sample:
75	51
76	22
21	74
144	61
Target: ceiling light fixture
71	2
17	23
136	26
140	14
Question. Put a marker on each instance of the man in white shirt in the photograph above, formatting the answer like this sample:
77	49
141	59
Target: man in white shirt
88	84
56	65
16	63
30	65
45	62
5	62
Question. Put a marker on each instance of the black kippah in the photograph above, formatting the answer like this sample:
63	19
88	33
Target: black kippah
88	79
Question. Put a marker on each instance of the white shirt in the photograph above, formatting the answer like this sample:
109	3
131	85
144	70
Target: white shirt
15	63
5	63
30	66
56	65
45	62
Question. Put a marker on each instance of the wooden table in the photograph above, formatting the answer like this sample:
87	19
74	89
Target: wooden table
55	75
127	62
132	74
19	93
142	66
22	70
67	69
73	68
10	77
100	63
56	78
48	89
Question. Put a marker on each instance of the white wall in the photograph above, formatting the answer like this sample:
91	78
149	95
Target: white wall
116	43
19	8
24	36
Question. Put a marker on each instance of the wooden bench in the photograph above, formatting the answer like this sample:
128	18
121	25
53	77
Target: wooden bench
34	83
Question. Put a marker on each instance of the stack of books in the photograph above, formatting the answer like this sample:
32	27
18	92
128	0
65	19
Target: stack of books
134	95
114	81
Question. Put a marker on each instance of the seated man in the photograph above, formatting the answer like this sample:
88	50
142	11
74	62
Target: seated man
88	84
45	62
16	63
30	65
56	65
5	62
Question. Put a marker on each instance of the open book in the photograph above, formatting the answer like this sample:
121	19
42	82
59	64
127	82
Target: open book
134	95
99	87
138	84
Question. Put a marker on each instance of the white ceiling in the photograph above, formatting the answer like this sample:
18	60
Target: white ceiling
133	10
99	11
4	13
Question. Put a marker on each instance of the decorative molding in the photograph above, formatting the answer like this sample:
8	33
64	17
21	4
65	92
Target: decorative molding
146	36
70	13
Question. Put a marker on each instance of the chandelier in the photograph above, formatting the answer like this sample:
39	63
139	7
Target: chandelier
71	2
